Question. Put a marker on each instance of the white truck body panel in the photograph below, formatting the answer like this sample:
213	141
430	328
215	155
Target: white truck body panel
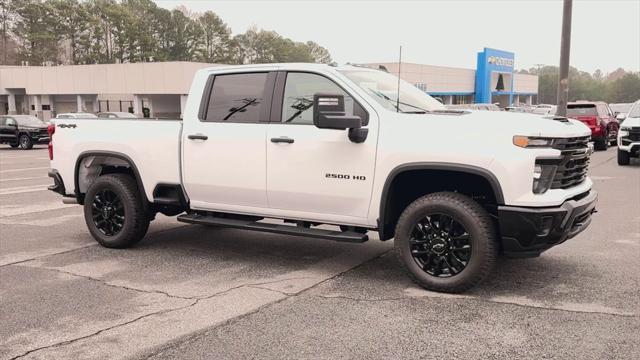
153	146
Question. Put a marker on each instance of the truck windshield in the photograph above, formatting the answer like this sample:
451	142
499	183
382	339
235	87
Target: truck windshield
635	111
28	120
384	89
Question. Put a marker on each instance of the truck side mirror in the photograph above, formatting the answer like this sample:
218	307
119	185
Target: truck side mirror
329	113
621	116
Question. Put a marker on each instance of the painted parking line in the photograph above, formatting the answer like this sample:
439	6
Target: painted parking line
23	189
24	178
13	210
24	169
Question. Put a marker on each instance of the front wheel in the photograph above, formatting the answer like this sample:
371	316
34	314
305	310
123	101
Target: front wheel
623	157
114	211
446	242
24	142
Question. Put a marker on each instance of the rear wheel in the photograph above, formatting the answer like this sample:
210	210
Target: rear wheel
24	142
623	157
114	211
446	242
601	144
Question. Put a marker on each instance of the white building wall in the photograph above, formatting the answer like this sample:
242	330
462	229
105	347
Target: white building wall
525	83
437	78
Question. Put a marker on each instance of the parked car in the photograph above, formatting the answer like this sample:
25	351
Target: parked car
22	131
313	144
117	115
599	118
519	109
76	116
621	108
488	107
629	135
544	109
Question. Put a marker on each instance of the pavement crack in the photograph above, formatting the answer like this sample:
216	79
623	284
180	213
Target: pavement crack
71	341
193	337
52	254
477	299
106	283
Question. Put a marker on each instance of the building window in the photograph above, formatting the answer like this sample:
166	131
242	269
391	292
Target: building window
421	86
46	107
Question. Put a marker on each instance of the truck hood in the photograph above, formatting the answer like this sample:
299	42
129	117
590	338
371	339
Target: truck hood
41	127
525	124
631	122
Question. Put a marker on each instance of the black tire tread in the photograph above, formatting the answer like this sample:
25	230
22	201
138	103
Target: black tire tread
487	228
623	157
133	234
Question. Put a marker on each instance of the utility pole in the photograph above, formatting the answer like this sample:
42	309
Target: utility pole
565	46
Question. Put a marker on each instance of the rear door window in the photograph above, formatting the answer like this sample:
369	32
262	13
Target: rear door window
239	98
582	110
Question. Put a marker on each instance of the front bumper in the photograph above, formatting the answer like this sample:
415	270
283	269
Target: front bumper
527	232
40	139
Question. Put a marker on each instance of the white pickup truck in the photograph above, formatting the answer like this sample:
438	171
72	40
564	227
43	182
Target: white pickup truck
334	153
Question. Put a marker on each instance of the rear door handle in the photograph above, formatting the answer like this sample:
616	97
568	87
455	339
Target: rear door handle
282	139
197	137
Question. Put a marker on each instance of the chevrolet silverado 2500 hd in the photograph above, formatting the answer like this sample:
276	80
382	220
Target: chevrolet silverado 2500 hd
319	145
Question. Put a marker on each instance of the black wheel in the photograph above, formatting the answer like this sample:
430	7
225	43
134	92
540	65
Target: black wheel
623	157
446	242
114	211
601	144
14	145
24	142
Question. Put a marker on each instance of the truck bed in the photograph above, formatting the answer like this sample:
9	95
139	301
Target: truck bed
152	145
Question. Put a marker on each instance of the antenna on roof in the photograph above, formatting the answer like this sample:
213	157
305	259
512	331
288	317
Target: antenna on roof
399	66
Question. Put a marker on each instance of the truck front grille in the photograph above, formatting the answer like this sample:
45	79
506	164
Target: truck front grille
572	169
634	134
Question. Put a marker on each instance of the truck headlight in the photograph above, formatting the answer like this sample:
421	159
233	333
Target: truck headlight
624	131
529	142
543	175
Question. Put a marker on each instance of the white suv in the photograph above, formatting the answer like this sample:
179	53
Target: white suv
629	135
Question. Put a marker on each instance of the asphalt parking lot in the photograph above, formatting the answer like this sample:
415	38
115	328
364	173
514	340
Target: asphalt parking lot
190	291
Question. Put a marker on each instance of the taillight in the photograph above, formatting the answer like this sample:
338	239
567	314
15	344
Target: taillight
51	129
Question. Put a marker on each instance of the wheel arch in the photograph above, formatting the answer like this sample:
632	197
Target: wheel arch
105	161
388	216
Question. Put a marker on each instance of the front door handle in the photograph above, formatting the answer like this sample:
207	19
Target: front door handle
282	139
197	137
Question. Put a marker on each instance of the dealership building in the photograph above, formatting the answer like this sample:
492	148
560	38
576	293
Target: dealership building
493	81
162	87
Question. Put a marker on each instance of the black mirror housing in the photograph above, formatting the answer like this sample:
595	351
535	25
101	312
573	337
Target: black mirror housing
329	113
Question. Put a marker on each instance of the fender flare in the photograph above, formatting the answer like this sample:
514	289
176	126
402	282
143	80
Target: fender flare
121	156
462	168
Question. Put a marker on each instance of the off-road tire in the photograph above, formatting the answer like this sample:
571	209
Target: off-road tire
136	220
25	142
623	157
475	219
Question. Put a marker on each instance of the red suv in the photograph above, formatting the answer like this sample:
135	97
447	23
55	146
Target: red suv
599	118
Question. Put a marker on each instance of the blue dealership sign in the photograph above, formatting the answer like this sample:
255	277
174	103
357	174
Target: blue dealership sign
493	61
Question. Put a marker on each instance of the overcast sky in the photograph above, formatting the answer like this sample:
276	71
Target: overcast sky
605	34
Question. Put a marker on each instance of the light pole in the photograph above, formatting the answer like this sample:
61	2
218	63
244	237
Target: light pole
565	46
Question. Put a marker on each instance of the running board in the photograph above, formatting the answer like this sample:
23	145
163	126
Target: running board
343	236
